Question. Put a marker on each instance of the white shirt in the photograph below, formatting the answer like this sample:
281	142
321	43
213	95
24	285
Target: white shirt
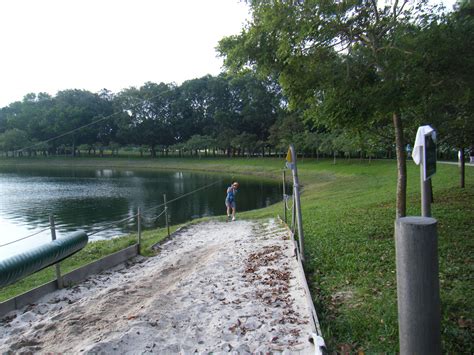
420	142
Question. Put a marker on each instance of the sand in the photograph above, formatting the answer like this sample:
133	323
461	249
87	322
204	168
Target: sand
214	287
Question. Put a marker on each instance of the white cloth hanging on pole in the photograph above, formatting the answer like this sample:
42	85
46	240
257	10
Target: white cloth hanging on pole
420	142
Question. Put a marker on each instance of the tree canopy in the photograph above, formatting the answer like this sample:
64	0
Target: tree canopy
357	65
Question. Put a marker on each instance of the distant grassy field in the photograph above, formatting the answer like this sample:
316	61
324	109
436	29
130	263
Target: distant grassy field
348	217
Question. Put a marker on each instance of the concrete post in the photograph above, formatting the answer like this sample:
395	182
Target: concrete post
139	227
59	278
419	314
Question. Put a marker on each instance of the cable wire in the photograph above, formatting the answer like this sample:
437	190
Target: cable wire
184	195
153	219
28	236
107	226
155	207
286	198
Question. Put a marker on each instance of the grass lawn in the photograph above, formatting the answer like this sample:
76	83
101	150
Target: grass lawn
348	218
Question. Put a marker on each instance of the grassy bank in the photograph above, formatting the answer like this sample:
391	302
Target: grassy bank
348	216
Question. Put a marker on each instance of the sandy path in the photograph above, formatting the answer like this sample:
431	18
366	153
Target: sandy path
214	287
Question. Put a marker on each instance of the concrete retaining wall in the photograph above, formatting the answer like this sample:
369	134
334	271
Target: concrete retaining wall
69	279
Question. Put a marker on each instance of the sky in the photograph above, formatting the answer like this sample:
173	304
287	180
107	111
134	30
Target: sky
52	45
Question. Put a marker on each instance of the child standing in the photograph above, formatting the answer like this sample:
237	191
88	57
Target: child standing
230	199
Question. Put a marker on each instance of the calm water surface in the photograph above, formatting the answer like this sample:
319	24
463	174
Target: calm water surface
88	199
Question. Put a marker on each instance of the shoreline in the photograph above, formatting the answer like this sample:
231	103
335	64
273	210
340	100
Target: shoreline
209	166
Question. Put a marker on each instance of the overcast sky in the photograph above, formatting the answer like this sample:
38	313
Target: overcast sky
51	45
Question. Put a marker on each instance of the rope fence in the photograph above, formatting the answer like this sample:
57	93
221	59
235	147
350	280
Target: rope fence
153	219
138	215
28	236
285	200
109	225
184	195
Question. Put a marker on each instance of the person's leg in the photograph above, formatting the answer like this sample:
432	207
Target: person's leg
228	205
233	211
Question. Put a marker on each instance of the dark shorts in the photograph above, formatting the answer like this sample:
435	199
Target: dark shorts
230	204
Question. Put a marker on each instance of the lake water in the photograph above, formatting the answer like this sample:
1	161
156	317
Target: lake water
89	199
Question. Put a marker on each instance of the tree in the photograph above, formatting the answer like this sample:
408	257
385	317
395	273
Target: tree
329	144
198	143
30	115
13	139
255	103
446	82
148	115
73	109
196	107
346	63
287	130
246	142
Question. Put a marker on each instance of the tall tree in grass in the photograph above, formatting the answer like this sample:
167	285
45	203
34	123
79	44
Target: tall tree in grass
345	62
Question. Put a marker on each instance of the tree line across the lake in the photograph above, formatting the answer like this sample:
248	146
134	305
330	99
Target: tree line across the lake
335	78
229	114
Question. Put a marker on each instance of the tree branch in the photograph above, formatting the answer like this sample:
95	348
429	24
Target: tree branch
374	4
395	5
395	48
401	8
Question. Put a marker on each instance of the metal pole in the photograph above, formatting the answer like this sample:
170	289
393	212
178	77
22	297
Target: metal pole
166	215
59	279
299	220
139	226
419	312
293	213
462	166
425	190
284	195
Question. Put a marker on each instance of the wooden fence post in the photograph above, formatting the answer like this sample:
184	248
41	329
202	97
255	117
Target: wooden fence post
139	226
166	215
59	278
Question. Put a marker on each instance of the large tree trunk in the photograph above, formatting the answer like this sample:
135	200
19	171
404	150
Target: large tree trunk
401	167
